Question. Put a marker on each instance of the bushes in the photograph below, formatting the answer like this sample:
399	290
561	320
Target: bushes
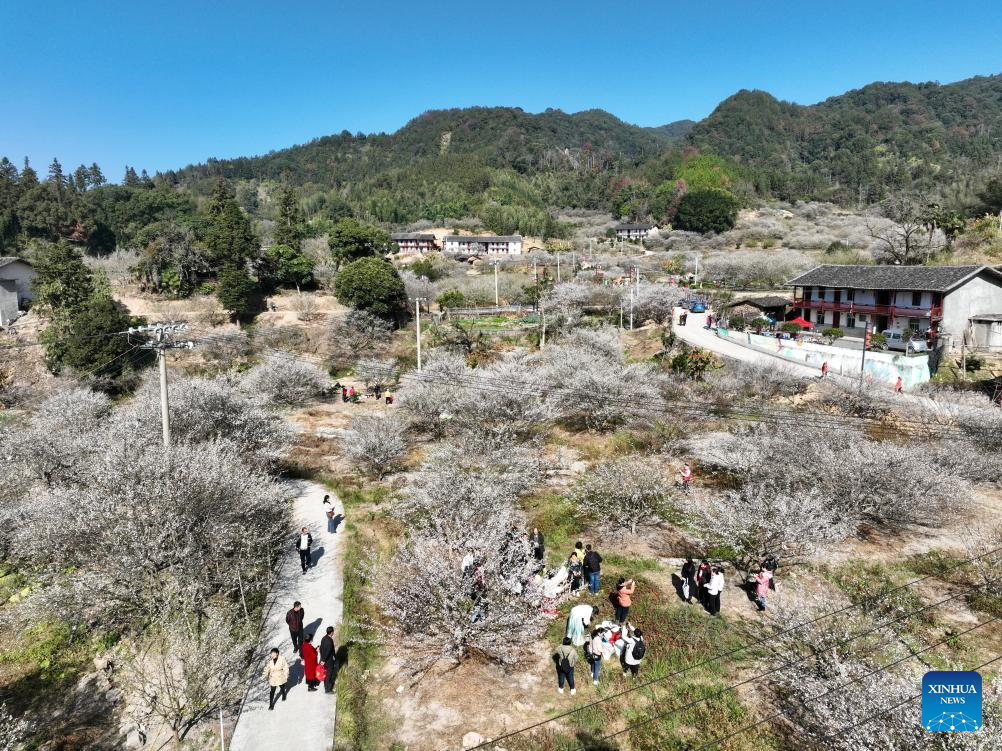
378	443
707	210
373	285
287	382
625	493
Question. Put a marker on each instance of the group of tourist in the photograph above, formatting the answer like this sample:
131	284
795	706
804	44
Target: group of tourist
584	564
319	665
349	394
704	583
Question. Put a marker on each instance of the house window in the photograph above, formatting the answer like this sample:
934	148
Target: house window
861	318
850	295
916	299
821	293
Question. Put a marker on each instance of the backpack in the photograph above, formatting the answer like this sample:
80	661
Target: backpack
565	664
639	649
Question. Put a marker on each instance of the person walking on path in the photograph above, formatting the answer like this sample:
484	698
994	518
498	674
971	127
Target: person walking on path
310	663
294	618
762	581
824	369
713	590
703	575
898	385
594	650
592	568
276	672
328	651
575	571
566	657
538	544
624	599
688	579
578	621
303	543
634	651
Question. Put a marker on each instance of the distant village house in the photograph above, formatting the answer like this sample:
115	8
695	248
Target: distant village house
410	242
635	231
471	245
945	300
16	278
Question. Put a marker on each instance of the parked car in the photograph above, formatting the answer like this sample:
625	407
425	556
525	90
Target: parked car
901	340
697	306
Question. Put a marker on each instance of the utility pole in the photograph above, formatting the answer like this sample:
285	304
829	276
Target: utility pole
542	339
417	311
638	279
497	298
862	364
558	267
535	276
620	313
164	341
631	308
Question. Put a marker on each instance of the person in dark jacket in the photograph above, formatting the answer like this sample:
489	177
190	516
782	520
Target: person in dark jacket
592	569
294	619
328	653
689	586
303	542
538	546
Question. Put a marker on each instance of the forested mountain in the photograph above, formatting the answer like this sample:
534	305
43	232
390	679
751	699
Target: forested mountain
866	143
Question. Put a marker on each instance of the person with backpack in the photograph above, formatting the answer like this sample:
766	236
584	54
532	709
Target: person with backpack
566	657
592	569
713	590
634	650
688	579
595	651
703	575
624	599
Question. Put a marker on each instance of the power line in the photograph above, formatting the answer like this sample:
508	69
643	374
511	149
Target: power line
747	646
881	669
675	710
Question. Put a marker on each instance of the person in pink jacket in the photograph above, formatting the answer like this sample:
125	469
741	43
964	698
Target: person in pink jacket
762	579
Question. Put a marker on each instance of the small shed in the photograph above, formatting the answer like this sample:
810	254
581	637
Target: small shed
16	278
772	306
986	331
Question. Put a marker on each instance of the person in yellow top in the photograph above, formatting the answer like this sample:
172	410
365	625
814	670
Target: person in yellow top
276	672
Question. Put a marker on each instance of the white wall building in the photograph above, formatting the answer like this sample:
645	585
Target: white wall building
16	278
942	298
477	245
413	242
635	231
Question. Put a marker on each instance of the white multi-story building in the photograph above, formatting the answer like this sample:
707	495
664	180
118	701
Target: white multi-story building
411	242
477	245
635	231
943	299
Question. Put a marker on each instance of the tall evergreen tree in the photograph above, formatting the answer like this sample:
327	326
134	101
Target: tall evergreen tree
235	289
96	177
8	171
289	229
57	181
229	237
131	179
81	179
222	193
64	282
145	180
29	178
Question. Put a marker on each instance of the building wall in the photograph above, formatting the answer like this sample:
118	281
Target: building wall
8	302
23	275
987	334
979	295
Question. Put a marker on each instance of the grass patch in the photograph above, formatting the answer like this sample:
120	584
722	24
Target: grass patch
949	567
559	521
862	582
354	493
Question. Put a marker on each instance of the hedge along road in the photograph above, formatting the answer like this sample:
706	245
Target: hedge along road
306	719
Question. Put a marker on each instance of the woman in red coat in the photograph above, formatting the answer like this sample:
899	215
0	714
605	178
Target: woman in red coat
310	662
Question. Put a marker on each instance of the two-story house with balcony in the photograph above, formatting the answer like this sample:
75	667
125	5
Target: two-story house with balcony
474	245
939	298
412	242
635	231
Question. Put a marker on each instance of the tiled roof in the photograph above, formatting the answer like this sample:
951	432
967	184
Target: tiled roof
483	238
625	227
6	260
412	236
930	278
765	301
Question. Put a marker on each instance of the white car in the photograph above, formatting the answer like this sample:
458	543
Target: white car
896	340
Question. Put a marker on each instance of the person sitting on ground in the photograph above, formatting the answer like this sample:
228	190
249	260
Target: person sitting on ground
634	651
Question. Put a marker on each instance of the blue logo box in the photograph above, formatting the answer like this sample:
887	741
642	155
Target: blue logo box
951	700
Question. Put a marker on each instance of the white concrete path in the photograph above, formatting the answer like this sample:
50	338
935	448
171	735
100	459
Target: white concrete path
694	333
305	722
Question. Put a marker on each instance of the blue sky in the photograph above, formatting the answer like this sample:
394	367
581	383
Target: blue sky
160	85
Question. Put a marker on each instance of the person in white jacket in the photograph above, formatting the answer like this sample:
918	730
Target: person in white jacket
713	590
634	650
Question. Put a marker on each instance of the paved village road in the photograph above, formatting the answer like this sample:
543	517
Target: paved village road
305	722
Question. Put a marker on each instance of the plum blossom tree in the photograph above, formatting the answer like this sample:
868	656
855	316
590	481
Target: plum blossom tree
626	493
286	382
376	442
13	731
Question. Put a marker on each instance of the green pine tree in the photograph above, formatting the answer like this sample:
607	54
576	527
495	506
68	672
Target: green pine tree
235	289
289	229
